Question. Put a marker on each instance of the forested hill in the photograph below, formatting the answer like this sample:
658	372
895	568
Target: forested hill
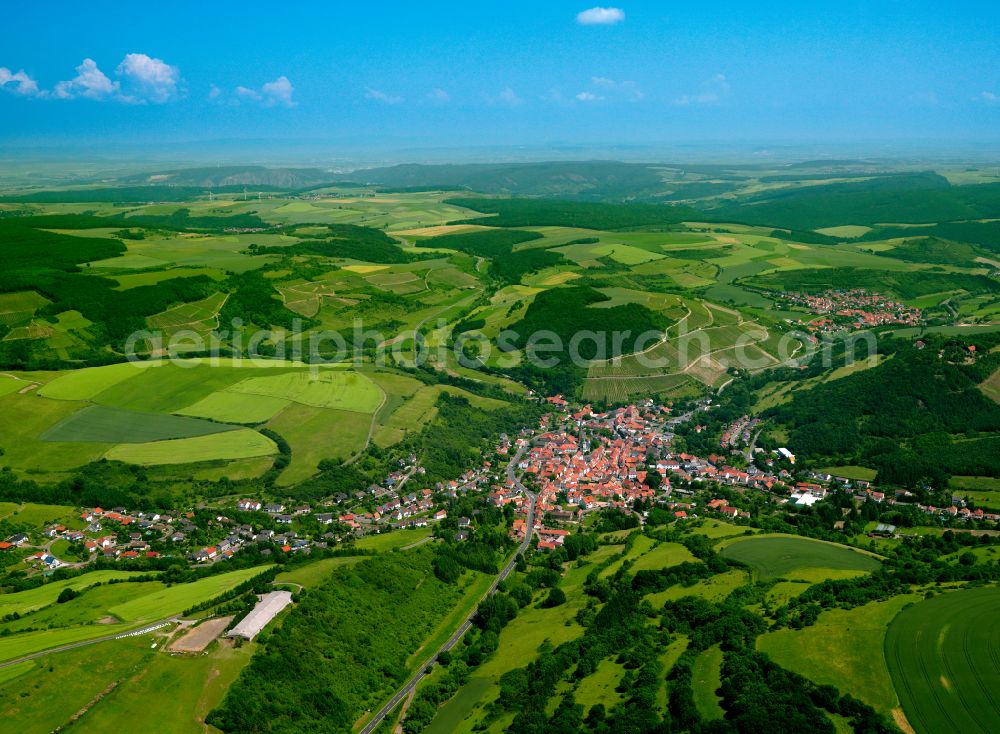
905	198
596	180
918	416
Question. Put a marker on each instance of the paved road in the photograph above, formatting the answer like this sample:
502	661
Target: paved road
94	641
419	675
748	452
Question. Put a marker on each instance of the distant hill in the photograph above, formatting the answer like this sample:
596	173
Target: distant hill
284	178
593	180
904	198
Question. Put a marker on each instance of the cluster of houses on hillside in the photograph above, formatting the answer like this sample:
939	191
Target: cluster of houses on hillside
739	432
854	308
585	460
577	460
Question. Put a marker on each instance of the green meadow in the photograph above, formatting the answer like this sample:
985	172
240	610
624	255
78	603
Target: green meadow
844	649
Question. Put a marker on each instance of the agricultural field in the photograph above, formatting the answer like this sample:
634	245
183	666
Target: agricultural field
699	260
337	389
200	317
383	542
318	433
242	443
163	413
941	654
17	308
698	350
101	424
663	556
793	557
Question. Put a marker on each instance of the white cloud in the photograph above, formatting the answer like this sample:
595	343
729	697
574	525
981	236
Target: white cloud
379	96
143	79
438	95
148	79
90	82
611	89
713	91
632	90
18	82
554	95
507	97
600	16
271	94
247	93
278	93
988	97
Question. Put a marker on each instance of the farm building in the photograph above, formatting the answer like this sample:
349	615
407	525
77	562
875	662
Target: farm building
265	610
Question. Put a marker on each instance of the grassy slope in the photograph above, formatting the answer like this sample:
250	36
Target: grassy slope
844	649
176	692
61	685
26	601
706	679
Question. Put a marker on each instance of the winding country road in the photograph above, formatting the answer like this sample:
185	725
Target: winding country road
453	640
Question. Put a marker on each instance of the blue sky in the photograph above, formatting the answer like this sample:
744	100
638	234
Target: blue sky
459	74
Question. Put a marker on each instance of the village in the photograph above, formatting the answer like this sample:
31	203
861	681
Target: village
857	308
578	461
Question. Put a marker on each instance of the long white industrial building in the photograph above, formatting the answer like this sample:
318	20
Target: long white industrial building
266	609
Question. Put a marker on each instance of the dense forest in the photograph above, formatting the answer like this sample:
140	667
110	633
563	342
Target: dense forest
920	197
569	312
984	234
935	250
348	241
590	180
916	417
341	649
905	284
